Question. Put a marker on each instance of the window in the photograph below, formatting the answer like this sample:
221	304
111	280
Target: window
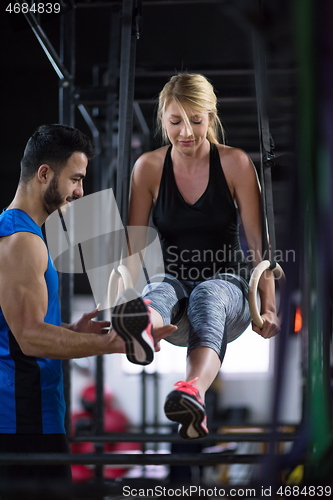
250	353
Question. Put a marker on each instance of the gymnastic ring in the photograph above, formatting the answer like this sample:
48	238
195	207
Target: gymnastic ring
253	287
116	274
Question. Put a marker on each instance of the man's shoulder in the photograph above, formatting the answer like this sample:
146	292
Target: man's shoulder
6	223
20	247
17	220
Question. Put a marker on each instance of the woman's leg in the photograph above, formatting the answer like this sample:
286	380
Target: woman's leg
218	311
130	318
156	318
216	308
204	363
168	300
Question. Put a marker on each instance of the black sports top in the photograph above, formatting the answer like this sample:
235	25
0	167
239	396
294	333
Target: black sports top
200	240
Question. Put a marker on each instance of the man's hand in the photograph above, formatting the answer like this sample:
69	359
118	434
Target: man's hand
161	333
118	345
86	325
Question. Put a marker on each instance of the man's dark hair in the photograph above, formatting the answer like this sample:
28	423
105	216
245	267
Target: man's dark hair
54	145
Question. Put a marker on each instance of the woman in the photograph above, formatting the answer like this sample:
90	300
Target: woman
191	186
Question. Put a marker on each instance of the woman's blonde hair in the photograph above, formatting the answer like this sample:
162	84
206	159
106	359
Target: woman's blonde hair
191	92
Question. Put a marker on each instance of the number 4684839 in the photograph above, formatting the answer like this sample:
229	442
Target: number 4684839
36	8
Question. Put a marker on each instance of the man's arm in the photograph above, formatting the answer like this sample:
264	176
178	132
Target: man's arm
24	302
87	324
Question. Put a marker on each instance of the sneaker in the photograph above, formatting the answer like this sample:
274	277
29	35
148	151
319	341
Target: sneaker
130	318
184	405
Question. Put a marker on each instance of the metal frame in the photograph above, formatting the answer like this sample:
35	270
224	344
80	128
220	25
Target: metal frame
134	459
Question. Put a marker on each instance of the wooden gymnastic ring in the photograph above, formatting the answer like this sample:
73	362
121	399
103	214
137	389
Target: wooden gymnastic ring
116	274
253	288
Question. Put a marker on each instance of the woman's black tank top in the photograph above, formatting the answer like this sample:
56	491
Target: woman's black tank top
199	240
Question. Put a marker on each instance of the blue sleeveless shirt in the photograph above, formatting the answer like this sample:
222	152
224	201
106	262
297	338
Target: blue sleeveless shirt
31	388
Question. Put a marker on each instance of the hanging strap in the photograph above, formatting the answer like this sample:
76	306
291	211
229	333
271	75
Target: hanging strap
266	151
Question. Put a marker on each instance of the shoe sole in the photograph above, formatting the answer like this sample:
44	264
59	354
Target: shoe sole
181	408
129	320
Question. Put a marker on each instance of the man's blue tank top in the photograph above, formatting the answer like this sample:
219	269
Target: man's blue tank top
31	389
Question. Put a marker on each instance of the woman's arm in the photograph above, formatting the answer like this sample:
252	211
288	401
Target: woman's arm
141	196
247	195
143	182
146	178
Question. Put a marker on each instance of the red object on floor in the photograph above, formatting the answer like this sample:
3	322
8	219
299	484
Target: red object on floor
115	421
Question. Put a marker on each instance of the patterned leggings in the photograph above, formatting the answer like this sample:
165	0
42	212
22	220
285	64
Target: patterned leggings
207	313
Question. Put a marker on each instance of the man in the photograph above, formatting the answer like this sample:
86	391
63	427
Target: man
32	339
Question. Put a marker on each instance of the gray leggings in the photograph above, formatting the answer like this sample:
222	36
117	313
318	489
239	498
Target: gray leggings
207	313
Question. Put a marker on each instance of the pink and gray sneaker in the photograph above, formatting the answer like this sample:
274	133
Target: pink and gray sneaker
184	405
130	318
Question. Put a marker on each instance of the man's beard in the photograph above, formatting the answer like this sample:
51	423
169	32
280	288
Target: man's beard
52	198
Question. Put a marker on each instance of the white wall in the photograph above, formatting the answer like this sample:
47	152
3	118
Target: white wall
255	390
